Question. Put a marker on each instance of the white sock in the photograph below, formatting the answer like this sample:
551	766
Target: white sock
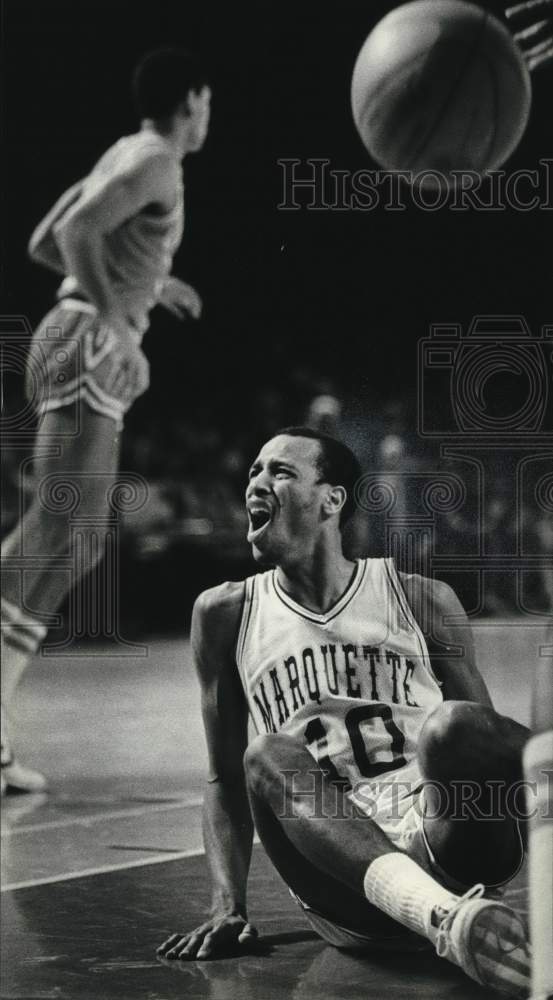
398	886
21	636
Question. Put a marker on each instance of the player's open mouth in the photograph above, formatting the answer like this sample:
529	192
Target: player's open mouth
260	519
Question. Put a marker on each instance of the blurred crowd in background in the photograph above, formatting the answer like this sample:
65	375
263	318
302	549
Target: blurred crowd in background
191	532
309	316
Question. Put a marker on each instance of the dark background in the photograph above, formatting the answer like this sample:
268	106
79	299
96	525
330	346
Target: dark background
296	303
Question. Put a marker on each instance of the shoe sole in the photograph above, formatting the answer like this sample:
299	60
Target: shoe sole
500	951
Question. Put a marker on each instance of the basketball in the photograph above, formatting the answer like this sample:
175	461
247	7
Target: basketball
440	85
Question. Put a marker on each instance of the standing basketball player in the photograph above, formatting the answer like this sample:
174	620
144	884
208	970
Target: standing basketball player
332	661
112	236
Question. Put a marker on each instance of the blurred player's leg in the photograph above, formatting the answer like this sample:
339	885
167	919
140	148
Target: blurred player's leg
43	535
538	766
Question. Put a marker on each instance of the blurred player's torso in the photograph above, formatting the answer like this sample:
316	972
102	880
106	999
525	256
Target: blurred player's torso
139	253
354	684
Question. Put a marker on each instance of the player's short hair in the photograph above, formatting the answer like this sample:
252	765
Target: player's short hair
337	464
163	79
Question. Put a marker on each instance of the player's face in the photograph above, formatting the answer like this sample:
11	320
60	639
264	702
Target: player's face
284	498
199	110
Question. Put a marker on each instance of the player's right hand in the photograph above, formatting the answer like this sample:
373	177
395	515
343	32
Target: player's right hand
180	299
129	374
215	937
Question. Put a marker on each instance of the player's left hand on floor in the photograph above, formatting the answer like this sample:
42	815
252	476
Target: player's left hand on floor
533	24
210	940
181	299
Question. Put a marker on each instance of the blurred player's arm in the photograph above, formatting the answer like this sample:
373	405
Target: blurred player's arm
43	248
180	299
227	821
102	208
449	638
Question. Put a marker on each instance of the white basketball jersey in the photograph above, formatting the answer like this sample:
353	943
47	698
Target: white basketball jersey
139	253
355	684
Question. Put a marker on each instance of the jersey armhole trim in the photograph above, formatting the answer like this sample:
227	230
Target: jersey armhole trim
398	589
245	617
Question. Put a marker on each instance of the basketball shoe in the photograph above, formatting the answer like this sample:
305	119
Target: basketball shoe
487	939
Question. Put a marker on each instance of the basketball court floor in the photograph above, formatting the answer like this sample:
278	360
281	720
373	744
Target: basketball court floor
96	874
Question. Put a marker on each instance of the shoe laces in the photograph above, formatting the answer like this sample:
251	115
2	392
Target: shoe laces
442	937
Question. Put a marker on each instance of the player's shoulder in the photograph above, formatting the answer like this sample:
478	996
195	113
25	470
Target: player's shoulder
216	620
429	599
218	610
140	152
224	601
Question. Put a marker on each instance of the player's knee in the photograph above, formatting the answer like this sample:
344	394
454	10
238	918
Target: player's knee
267	756
451	726
54	530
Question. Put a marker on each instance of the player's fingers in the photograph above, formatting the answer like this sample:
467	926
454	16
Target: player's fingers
248	935
521	11
181	312
190	949
175	309
541	58
175	950
540	53
169	943
180	950
208	944
191	301
195	309
188	310
223	935
531	32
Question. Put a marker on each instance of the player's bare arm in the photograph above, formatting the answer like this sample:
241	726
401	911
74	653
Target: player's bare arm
227	822
449	638
100	210
43	247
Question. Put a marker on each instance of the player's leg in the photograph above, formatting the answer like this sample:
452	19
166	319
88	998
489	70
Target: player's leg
42	535
81	477
322	845
350	851
471	758
318	841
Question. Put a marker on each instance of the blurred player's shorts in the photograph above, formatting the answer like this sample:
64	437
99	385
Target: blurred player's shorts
72	359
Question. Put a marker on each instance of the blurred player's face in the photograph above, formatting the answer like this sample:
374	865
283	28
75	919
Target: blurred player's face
199	110
284	498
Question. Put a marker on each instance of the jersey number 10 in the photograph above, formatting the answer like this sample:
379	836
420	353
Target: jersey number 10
315	732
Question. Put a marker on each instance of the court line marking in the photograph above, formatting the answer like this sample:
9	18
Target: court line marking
58	824
158	859
103	869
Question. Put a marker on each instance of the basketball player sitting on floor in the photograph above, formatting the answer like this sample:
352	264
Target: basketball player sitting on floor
112	236
373	722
